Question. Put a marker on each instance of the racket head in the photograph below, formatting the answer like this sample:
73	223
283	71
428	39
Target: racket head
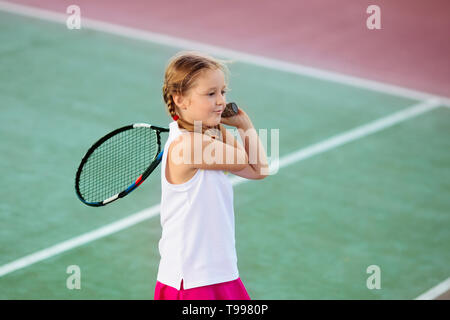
118	163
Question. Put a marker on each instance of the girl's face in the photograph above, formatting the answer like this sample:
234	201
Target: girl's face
206	100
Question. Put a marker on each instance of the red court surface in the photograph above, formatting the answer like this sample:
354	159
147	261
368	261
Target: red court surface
411	50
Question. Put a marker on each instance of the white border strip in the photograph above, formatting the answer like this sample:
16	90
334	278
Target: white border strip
230	54
435	292
287	160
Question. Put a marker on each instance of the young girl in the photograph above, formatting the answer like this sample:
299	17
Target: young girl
197	246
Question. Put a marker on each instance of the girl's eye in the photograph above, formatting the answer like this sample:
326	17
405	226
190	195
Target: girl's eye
223	92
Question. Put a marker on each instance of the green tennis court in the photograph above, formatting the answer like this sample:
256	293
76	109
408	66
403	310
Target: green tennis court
308	232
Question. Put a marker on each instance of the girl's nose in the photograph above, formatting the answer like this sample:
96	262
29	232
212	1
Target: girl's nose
221	101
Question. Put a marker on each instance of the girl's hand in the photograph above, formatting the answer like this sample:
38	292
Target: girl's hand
240	120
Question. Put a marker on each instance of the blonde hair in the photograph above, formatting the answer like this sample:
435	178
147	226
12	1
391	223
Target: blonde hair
181	73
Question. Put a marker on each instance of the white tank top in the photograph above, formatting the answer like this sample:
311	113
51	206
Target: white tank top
197	219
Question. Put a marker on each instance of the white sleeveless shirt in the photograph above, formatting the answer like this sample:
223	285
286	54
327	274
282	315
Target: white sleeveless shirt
197	219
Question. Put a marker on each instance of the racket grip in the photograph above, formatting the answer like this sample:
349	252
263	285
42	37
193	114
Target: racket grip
230	110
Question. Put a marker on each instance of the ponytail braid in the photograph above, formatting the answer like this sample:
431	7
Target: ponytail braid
168	99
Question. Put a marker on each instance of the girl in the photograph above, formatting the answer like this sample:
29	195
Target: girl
197	246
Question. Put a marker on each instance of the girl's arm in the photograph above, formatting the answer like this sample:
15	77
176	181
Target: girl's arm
257	167
201	151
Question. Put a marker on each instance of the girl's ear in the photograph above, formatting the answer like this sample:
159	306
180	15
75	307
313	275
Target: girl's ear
178	99
181	101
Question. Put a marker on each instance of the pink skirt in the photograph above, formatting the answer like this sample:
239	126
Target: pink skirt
231	290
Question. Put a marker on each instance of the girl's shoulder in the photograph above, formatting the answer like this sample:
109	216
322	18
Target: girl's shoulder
178	170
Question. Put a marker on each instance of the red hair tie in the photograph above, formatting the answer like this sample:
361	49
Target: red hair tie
175	117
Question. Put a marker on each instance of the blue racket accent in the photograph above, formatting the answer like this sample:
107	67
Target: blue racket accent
140	179
159	156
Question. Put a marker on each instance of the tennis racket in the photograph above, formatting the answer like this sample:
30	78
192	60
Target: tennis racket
120	161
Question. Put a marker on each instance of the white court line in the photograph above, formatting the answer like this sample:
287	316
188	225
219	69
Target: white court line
351	135
79	240
192	45
435	292
287	160
171	41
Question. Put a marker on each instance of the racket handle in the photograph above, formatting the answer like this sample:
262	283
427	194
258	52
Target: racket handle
230	110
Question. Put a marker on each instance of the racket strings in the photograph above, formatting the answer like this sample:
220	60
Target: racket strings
117	163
